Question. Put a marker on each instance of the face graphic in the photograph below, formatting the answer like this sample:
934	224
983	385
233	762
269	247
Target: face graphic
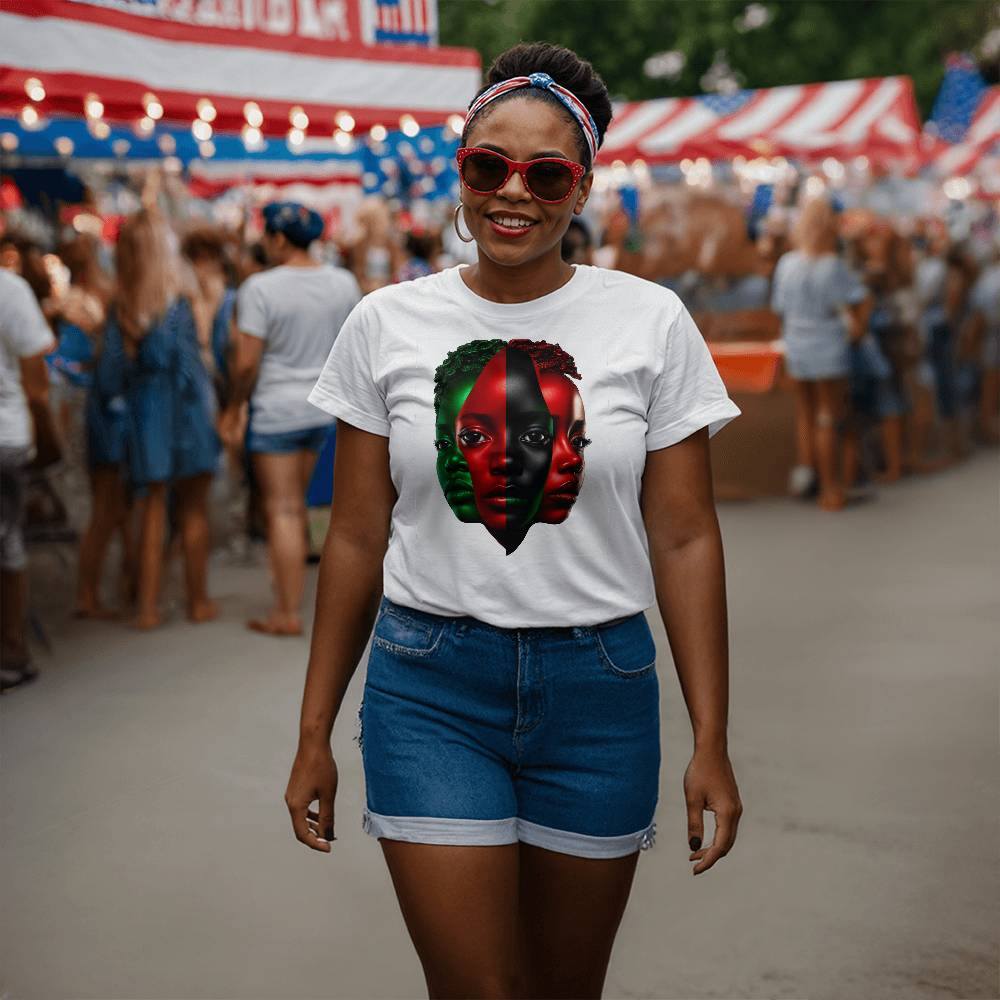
504	431
523	129
452	468
569	439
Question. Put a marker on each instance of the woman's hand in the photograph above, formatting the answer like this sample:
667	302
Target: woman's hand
232	426
314	777
709	784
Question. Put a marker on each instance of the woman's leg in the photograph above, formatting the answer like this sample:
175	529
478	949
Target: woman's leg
460	906
152	531
805	412
192	498
831	396
280	478
570	911
107	510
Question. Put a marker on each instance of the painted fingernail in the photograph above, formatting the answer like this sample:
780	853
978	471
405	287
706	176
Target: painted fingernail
695	843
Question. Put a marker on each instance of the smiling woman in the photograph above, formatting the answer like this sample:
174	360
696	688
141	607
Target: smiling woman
512	756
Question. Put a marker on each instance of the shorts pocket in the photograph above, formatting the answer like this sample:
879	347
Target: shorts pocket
627	648
398	632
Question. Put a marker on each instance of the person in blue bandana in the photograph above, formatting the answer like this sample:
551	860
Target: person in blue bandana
286	321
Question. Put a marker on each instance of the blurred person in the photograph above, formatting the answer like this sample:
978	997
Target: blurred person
25	339
81	317
152	357
287	320
213	299
577	245
374	255
821	304
510	720
421	247
982	335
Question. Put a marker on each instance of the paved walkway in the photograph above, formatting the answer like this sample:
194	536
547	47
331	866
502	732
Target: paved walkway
147	851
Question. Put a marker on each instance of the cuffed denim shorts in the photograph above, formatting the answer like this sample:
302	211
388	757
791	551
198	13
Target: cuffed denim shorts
286	442
473	734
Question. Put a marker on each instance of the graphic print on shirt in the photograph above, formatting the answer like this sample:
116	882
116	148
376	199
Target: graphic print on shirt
510	430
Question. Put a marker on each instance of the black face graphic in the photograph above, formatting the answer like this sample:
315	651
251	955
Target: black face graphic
509	435
504	430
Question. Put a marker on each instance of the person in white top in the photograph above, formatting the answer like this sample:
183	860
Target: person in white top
25	339
522	469
287	318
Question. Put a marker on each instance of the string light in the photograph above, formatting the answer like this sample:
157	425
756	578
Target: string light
345	121
252	137
298	118
206	110
34	89
201	130
378	133
29	116
296	137
343	139
64	145
206	149
8	142
456	123
120	147
154	109
253	114
92	106
99	129
145	126
409	125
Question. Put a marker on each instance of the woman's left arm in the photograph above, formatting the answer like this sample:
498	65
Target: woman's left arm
685	549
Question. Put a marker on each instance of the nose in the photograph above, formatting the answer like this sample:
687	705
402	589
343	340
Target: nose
455	460
515	188
502	462
565	456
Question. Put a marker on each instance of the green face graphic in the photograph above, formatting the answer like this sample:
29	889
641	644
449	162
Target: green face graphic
452	469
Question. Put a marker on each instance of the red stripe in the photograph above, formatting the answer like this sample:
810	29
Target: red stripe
123	103
195	33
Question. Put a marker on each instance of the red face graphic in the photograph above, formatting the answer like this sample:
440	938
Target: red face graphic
566	471
504	430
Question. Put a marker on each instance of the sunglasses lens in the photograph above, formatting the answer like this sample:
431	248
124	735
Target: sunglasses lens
483	171
550	181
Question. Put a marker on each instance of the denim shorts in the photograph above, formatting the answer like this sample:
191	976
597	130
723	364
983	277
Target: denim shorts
479	735
286	442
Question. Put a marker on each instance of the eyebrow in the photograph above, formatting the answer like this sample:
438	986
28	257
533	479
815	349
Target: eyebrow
484	418
534	156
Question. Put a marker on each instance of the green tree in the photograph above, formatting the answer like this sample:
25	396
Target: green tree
804	41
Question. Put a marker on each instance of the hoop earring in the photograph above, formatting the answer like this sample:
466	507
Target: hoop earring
458	208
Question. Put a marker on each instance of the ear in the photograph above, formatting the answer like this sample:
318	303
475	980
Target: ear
584	193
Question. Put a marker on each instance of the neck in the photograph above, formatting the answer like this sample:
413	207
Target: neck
299	258
521	282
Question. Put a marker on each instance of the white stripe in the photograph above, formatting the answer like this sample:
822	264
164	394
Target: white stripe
645	117
986	125
824	110
690	122
277	169
405	17
61	46
757	120
860	123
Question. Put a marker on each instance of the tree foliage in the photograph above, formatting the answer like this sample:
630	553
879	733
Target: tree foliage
805	41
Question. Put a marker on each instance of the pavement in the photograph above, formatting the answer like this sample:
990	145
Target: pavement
147	852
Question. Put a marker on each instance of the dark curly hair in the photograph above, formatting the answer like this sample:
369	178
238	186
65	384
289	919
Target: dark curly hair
567	69
547	357
469	359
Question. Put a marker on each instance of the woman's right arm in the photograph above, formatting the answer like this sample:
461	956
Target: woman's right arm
347	601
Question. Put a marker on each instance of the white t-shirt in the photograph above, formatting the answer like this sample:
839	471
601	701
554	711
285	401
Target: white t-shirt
297	312
487	523
23	333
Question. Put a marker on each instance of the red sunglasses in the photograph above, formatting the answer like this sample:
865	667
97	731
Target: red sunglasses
550	179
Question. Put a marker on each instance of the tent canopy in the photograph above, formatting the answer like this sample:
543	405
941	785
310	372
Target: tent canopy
875	117
127	51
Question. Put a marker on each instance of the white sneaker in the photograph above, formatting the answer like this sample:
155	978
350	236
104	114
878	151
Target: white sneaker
801	480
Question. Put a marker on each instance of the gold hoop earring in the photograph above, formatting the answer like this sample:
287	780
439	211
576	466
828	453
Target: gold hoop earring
458	208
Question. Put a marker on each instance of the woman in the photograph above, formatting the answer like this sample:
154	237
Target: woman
287	319
511	705
152	357
819	300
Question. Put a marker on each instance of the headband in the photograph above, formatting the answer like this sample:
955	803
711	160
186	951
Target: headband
543	82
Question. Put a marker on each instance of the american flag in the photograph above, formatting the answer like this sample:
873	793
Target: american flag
402	22
965	122
874	117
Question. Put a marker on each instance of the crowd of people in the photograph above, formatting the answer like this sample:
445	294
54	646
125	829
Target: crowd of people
191	357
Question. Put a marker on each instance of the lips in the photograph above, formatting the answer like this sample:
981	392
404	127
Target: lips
511	232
